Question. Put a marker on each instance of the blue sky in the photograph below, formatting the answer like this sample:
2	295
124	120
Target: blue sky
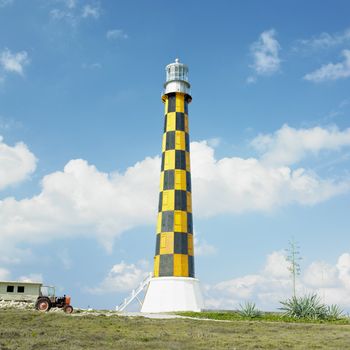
81	125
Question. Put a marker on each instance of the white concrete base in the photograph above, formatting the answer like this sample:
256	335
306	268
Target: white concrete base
167	294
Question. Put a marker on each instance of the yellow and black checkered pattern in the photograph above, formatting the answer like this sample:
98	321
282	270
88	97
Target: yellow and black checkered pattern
174	243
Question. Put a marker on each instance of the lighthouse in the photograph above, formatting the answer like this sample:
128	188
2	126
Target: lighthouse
173	286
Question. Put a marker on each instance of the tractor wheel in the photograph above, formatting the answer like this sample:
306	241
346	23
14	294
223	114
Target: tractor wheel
68	309
43	305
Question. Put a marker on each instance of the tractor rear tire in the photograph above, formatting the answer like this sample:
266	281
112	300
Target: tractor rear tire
43	304
68	309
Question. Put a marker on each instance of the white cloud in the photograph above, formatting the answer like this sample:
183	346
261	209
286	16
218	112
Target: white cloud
95	65
320	274
71	3
91	11
4	274
16	163
33	277
331	71
4	3
122	277
58	14
8	124
276	265
66	260
251	80
265	52
83	201
80	200
326	40
289	145
234	185
202	247
70	12
214	142
10	255
273	284
13	62
343	267
116	34
266	288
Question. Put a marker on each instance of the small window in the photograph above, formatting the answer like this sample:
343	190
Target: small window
163	241
10	289
20	289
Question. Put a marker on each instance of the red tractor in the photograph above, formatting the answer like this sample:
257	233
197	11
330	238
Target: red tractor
47	299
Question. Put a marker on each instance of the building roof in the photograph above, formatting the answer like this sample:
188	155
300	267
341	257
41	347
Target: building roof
21	282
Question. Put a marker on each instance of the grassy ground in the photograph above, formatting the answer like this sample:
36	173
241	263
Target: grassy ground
265	316
32	330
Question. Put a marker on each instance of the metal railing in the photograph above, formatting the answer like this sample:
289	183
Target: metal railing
134	294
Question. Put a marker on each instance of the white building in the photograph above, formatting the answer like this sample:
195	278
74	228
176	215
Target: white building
19	291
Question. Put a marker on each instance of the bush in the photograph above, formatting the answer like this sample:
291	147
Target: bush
249	309
310	307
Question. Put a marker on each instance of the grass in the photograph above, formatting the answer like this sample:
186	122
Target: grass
33	330
263	316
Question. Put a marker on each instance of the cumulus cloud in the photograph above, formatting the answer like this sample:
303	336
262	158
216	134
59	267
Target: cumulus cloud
9	123
325	40
80	200
265	53
214	142
70	12
273	284
276	265
235	185
16	163
4	274
65	258
331	71
95	65
122	277
12	255
4	3
289	145
116	34
58	14
343	267
71	3
251	80
33	277
13	62
202	247
91	11
320	274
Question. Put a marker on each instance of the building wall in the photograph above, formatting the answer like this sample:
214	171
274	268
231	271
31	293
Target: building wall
31	291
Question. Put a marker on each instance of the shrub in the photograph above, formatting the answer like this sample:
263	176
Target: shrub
309	307
249	309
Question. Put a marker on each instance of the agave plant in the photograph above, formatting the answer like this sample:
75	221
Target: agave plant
308	306
249	309
334	312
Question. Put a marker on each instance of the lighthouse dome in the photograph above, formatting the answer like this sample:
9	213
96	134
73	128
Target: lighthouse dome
177	78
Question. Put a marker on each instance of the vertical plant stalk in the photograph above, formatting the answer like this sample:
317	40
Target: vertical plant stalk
293	257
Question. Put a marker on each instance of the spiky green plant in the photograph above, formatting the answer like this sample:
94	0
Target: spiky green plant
308	306
249	309
334	312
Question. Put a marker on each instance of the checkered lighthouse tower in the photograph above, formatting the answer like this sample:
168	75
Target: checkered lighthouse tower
173	286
